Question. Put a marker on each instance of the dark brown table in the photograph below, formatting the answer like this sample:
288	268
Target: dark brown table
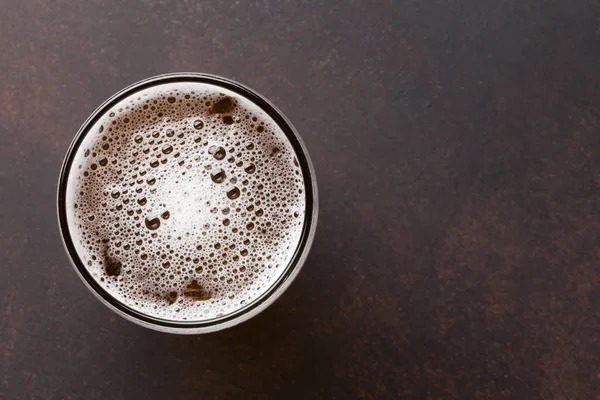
457	148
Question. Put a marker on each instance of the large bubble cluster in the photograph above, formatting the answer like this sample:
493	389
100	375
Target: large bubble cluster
185	201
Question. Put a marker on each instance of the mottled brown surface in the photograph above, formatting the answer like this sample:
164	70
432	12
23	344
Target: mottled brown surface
457	146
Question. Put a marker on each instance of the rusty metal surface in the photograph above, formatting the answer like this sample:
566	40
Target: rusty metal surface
457	149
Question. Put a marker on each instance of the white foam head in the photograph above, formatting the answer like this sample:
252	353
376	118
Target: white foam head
185	201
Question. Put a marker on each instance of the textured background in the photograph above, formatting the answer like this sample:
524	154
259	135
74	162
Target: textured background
457	146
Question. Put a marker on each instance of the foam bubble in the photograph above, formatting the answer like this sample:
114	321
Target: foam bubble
185	201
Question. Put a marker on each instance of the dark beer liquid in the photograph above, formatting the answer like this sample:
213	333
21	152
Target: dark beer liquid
185	201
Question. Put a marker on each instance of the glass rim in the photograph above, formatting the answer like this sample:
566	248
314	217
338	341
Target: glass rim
285	278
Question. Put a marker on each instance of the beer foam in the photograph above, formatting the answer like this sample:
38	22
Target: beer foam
185	201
